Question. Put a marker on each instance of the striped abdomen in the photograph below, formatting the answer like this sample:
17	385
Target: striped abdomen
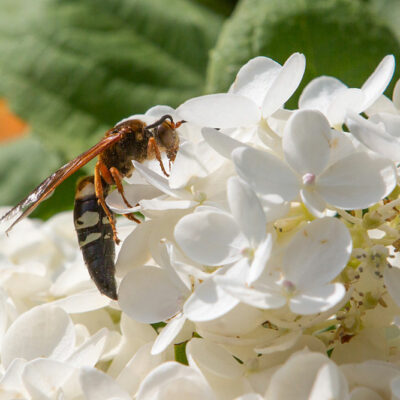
95	237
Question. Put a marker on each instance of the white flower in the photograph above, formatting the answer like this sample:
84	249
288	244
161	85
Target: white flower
355	181
315	255
261	87
173	381
334	99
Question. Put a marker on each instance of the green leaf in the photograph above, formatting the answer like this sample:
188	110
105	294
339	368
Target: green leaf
180	353
23	165
72	69
341	38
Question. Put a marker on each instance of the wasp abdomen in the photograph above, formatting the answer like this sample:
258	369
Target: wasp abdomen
95	236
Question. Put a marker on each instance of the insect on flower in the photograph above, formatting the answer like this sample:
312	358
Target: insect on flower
94	221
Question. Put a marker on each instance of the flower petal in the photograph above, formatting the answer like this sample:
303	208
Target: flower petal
261	257
81	302
210	237
285	84
43	331
220	111
318	299
208	302
176	381
148	295
43	378
214	358
306	141
374	136
220	142
392	281
376	84
134	193
97	385
168	334
246	210
313	201
157	180
319	93
265	173
317	253
255	78
357	181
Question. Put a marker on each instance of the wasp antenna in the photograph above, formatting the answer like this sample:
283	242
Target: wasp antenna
160	121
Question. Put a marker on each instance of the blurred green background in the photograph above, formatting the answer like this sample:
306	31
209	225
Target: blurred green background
72	69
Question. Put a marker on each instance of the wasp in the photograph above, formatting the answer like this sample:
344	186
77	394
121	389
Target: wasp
94	221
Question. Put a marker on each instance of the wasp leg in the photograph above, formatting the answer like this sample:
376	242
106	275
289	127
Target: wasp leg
98	185
118	182
153	146
132	217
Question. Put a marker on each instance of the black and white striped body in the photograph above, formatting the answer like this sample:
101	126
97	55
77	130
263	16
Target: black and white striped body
95	236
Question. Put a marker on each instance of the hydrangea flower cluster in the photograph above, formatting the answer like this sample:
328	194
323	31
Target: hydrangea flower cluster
266	266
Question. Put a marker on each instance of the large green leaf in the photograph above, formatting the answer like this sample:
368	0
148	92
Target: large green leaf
74	68
341	38
23	165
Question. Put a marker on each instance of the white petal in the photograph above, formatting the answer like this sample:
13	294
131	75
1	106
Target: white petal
382	105
208	302
285	84
396	94
133	193
376	84
220	142
255	78
329	384
246	210
12	377
214	358
281	343
174	381
157	180
357	181
220	111
265	173
43	378
168	334
318	299
160	205
306	142
348	100
261	257
97	385
43	331
136	330
138	367
392	281
364	393
210	238
313	201
317	253
88	354
189	163
374	136
160	110
300	370
148	295
319	93
82	302
135	249
390	121
256	297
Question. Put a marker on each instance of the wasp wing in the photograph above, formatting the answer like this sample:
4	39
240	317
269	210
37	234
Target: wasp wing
27	205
